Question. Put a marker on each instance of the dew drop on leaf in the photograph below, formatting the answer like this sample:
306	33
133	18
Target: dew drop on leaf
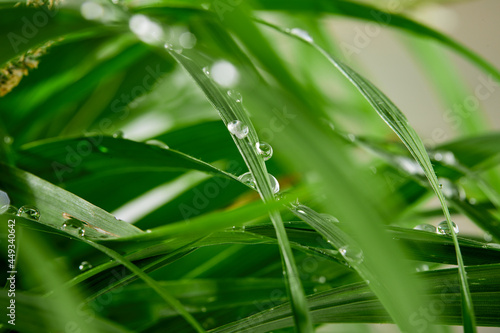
84	265
118	135
351	254
329	218
157	143
264	149
443	229
238	129
4	202
425	227
29	212
302	34
235	95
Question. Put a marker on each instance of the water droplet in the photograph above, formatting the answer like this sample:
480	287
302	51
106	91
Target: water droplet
118	135
146	30
103	149
85	265
443	229
29	212
238	129
157	143
487	237
8	140
351	137
4	202
302	34
322	279
472	201
73	225
329	218
203	309
225	73
187	40
11	210
206	71
235	95
422	268
91	10
351	254
264	149
426	227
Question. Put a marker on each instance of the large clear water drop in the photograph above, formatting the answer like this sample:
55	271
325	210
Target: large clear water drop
443	228
238	129
264	149
30	212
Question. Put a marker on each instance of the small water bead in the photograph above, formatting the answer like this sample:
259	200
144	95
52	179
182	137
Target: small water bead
157	143
422	268
329	218
443	229
426	227
148	231
30	212
351	137
322	279
248	179
11	210
264	149
84	266
206	71
8	139
351	254
302	34
235	95
450	190
4	202
238	129
73	225
118	135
